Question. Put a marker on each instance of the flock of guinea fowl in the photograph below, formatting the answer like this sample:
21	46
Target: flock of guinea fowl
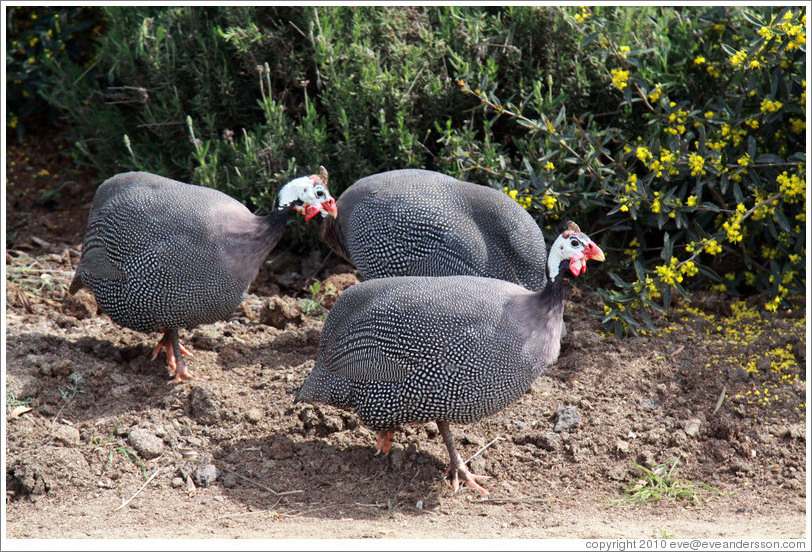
459	308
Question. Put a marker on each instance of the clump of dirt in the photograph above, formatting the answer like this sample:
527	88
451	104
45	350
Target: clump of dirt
721	389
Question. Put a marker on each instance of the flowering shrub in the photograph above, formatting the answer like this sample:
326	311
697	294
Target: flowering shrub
703	163
36	38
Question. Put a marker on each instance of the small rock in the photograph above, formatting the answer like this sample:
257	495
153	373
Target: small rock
332	287
80	306
67	434
204	406
692	427
795	431
397	457
309	418
567	419
646	458
229	481
622	447
177	482
280	449
280	311
254	415
145	443
332	424
738	375
206	474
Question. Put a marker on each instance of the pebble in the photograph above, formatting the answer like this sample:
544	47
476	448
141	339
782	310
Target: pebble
177	482
692	427
145	443
254	415
567	418
229	481
397	457
206	474
67	434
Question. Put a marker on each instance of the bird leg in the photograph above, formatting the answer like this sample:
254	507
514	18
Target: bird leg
456	469
384	442
174	356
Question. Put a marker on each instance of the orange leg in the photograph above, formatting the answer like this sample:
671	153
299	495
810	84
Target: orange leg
384	442
174	357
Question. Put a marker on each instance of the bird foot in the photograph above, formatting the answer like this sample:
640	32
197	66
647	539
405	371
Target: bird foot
166	344
384	443
178	367
457	471
184	375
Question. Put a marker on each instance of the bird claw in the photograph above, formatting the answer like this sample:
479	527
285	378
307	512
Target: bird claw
384	443
452	475
184	375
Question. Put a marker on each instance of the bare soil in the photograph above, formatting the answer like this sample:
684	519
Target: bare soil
98	445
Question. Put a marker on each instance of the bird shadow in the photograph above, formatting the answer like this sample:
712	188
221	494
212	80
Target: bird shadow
320	479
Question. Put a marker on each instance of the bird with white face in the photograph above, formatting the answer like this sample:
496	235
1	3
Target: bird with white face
449	349
160	255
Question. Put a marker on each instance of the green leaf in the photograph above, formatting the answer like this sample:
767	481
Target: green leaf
668	249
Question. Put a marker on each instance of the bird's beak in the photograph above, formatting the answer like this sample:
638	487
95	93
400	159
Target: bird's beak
329	207
578	261
594	253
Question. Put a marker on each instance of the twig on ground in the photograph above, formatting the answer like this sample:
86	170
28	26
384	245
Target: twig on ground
720	400
518	500
260	485
151	477
278	500
480	451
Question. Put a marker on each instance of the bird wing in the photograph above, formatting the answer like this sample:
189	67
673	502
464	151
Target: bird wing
386	332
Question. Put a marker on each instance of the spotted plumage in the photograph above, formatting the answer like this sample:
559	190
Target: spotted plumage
414	222
450	349
160	255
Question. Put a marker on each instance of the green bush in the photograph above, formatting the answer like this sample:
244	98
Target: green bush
698	179
35	35
676	136
276	91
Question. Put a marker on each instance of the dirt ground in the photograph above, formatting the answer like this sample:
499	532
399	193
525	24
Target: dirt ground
97	445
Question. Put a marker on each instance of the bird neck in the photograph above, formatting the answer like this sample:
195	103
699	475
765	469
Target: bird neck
331	234
249	241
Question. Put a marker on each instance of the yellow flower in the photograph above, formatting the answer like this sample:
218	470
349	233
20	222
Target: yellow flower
712	248
624	51
744	160
620	78
798	125
697	164
769	106
699	60
549	201
643	154
549	166
691	202
655	94
738	58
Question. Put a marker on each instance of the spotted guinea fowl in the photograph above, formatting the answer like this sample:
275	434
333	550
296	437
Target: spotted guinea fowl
160	255
450	349
414	222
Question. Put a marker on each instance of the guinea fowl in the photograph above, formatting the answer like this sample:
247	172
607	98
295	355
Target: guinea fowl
450	349
160	255
414	222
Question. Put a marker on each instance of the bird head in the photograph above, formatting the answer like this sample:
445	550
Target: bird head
572	248
308	195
